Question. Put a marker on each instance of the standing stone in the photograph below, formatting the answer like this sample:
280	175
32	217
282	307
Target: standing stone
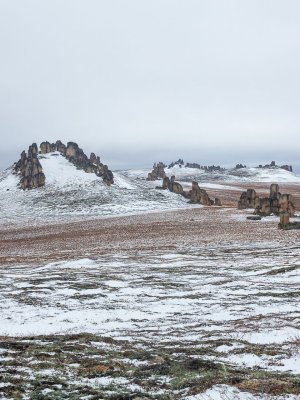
284	219
218	202
248	199
198	195
166	183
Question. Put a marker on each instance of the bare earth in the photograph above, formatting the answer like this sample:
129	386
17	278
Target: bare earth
153	231
199	303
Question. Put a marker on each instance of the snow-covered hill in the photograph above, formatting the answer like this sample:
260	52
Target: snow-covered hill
71	194
276	175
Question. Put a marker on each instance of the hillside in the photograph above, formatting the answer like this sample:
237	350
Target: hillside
71	193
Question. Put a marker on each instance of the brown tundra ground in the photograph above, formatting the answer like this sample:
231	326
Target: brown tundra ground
197	303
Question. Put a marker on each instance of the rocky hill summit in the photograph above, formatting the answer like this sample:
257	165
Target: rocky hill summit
31	171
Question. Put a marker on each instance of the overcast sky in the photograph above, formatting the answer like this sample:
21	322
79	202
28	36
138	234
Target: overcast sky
140	81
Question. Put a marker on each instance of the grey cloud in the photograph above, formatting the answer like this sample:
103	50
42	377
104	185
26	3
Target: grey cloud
141	80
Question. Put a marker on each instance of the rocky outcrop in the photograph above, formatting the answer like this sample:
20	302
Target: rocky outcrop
175	187
276	203
158	172
30	169
273	165
179	162
195	195
247	199
239	166
90	164
198	195
206	168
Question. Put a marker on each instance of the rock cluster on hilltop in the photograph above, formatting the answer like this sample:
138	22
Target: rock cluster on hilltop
276	203
30	169
273	165
29	166
158	172
240	166
206	168
179	162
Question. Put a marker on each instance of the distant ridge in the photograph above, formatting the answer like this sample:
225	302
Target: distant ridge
180	163
31	171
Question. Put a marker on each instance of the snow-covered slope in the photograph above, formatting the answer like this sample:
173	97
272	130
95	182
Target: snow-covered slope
61	173
71	194
277	175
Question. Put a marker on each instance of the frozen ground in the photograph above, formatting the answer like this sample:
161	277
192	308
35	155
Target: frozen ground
214	315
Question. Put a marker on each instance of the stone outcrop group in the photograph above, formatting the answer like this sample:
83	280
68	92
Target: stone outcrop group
196	195
273	165
31	171
276	203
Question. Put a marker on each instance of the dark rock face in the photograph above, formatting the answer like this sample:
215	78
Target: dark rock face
158	172
31	170
90	164
276	203
47	147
